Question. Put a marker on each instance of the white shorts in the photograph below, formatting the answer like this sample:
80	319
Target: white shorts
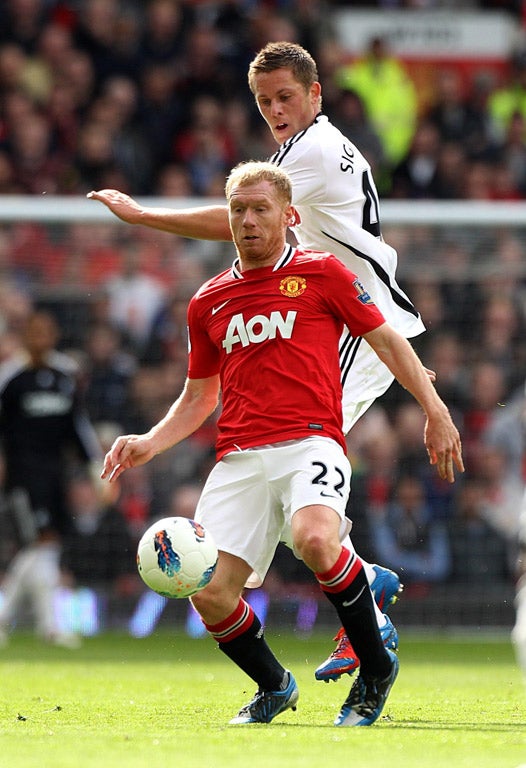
250	496
364	378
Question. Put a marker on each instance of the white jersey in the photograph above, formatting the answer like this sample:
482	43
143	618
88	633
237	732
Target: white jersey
335	196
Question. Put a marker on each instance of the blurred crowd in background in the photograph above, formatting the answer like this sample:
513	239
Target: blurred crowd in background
152	99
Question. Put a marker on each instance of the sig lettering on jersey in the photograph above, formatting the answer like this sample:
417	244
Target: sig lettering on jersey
347	159
258	329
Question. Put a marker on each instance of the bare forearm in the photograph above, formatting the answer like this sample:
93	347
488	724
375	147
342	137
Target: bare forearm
182	419
203	223
398	354
207	223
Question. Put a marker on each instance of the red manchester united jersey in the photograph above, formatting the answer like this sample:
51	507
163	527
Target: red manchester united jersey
272	335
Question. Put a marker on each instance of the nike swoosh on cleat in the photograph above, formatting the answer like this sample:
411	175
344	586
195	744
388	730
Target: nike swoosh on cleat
216	309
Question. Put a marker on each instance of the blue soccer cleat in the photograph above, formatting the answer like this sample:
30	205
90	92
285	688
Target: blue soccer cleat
267	704
343	660
366	700
386	587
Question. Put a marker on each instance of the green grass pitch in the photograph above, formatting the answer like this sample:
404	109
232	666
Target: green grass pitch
166	701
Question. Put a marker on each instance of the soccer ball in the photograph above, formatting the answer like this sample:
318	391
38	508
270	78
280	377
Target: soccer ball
176	557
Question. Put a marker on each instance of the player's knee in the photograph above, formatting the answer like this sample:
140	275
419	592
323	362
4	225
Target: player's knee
315	533
206	600
316	551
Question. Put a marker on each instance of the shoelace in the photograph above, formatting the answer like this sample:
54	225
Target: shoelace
363	696
261	705
343	643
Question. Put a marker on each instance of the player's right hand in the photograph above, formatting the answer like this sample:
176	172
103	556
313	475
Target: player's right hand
126	452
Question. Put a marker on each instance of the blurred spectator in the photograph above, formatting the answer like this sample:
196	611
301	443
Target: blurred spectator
134	298
204	147
107	375
487	388
44	432
173	180
451	165
116	109
13	61
502	497
168	338
78	73
184	500
373	451
161	111
38	167
243	134
510	97
512	152
99	551
457	282
22	21
389	96
500	339
95	34
459	111
8	182
503	185
205	70
409	426
164	28
95	162
507	429
450	112
479	552
409	540
415	176
445	356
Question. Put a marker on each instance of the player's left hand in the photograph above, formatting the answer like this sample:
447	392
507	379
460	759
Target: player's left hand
444	448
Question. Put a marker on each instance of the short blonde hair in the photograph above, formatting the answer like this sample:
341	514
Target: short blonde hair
253	172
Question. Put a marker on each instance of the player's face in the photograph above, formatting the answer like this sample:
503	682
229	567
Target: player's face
285	105
258	220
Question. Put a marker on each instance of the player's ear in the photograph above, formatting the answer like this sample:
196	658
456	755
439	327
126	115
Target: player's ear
292	217
315	92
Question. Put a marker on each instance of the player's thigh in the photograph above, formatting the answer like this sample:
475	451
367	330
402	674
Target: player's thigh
319	476
237	507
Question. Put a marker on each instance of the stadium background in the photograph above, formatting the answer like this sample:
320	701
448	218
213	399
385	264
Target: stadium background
151	98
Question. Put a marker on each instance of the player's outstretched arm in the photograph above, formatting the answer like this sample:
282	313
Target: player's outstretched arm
441	436
197	401
203	223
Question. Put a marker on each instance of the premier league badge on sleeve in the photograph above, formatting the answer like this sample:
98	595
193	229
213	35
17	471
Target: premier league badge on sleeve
362	294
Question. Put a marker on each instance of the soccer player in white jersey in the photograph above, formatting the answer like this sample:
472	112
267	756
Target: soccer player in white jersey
336	209
282	473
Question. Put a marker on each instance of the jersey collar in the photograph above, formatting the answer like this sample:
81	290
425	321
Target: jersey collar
286	257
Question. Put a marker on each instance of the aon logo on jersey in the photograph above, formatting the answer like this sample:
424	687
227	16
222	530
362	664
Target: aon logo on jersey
259	328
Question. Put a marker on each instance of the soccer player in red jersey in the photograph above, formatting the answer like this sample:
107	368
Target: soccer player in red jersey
336	209
264	334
